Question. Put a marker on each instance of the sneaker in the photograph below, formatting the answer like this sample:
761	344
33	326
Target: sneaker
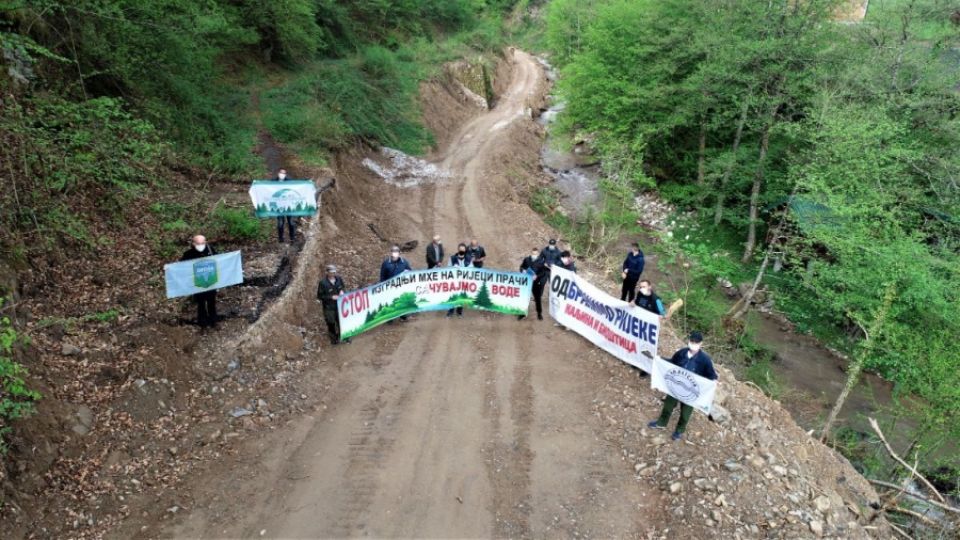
539	316
347	340
655	425
449	314
521	317
460	315
676	435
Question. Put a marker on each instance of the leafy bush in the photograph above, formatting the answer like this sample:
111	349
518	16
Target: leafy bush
16	399
237	224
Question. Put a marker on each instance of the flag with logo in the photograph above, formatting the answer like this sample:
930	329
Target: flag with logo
204	274
288	198
686	386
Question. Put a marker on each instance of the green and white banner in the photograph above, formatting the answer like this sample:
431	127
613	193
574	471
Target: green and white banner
686	386
203	274
288	198
432	290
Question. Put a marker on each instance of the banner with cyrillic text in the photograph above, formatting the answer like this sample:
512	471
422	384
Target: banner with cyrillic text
287	198
686	386
432	290
203	274
622	329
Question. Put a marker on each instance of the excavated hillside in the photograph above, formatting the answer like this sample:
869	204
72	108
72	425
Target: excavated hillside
475	427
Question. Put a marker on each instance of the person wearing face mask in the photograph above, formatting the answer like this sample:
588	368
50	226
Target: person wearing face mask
328	291
460	259
691	358
648	300
435	252
393	266
566	262
289	221
207	300
477	253
550	254
533	264
632	268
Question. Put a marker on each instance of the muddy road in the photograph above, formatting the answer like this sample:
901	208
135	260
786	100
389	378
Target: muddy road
473	427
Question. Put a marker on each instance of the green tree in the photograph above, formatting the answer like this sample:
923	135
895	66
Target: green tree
483	297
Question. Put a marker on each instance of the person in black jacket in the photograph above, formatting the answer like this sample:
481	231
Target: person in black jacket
477	253
207	300
393	266
435	253
290	221
533	264
566	262
691	358
550	254
328	291
632	268
648	300
460	259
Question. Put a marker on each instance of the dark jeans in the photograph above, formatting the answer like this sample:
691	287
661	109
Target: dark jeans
291	223
538	286
685	411
333	323
432	265
478	264
629	290
206	308
459	311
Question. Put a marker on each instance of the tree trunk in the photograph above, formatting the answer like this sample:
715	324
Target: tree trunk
701	159
718	210
853	371
751	242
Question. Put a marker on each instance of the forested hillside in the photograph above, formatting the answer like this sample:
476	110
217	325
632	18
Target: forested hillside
824	150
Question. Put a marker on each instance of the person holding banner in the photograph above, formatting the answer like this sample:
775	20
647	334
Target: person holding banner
328	291
393	266
290	221
435	252
534	265
632	268
691	358
566	262
477	253
461	260
649	300
207	300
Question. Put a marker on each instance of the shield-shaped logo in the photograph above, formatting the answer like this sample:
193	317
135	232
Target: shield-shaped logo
205	273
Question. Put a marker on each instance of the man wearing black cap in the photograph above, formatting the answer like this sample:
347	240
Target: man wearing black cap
329	290
690	358
550	254
533	264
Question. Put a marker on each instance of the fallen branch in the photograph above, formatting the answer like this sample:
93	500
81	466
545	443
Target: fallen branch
900	531
946	507
916	515
876	428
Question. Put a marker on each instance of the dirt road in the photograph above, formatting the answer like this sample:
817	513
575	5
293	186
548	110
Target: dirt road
475	427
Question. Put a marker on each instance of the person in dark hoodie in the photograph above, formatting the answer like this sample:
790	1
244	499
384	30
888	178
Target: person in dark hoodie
207	300
460	259
289	221
691	358
533	264
328	291
632	268
393	266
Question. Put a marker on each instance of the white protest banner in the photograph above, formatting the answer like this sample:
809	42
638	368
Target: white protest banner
288	198
686	386
432	290
203	274
622	329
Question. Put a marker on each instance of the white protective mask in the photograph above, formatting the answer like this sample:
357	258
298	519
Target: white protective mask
565	260
645	291
200	247
282	176
694	347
